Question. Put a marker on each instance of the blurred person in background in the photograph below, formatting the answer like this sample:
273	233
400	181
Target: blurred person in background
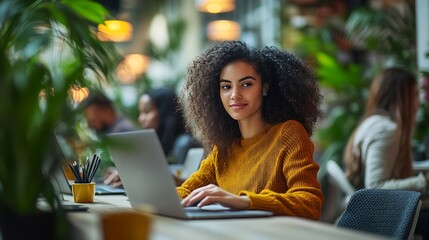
159	110
101	116
379	152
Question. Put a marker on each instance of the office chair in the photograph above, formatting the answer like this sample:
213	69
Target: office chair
339	178
392	213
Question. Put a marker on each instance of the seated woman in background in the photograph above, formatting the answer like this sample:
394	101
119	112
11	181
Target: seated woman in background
158	110
379	153
255	110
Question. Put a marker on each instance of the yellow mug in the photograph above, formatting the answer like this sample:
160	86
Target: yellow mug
128	225
83	192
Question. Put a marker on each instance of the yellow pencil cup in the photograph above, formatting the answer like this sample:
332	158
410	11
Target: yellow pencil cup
83	192
128	225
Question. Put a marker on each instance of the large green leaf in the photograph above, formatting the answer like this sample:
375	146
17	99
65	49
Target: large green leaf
332	74
89	10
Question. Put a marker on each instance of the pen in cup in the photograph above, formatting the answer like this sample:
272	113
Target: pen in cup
86	172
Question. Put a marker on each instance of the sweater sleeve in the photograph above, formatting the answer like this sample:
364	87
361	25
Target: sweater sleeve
205	175
303	197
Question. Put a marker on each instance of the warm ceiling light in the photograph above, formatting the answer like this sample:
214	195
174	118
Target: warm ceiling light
215	6
115	31
223	30
78	94
132	67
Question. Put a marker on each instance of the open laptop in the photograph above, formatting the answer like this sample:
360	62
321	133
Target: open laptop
190	165
63	185
141	163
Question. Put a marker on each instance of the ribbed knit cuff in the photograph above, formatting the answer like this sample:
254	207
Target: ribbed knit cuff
182	192
258	201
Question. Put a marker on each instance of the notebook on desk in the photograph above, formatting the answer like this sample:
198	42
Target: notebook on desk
149	185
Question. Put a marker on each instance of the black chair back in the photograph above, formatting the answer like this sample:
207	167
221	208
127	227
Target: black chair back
390	213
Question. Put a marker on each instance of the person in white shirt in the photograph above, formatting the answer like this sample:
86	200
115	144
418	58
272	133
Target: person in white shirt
379	152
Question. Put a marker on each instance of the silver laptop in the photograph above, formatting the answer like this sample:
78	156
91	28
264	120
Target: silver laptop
149	185
63	185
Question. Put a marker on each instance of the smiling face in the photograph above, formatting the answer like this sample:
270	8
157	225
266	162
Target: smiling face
241	91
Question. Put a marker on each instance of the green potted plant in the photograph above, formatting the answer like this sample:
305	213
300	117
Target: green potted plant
389	32
47	48
345	93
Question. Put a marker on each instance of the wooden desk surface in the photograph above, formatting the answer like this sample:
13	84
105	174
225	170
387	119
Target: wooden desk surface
283	227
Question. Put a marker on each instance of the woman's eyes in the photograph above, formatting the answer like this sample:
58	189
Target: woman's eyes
246	84
225	87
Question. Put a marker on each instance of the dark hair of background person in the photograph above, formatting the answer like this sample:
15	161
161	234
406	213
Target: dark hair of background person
391	92
171	123
97	98
102	116
293	92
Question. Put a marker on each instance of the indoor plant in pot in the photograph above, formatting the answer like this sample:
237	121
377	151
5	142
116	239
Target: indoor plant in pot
47	47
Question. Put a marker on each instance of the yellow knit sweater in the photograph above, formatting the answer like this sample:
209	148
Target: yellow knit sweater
275	169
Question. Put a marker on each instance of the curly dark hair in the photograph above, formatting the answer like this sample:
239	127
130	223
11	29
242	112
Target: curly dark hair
293	92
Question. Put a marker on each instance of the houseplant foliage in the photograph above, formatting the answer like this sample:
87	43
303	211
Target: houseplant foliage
346	91
389	32
47	47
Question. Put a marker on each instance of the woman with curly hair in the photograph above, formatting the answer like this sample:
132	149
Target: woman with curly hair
255	110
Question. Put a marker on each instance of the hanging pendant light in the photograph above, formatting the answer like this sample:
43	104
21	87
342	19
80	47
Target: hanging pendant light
132	67
215	6
223	30
115	31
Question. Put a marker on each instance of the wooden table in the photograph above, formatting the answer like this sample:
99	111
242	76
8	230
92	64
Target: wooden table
89	226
